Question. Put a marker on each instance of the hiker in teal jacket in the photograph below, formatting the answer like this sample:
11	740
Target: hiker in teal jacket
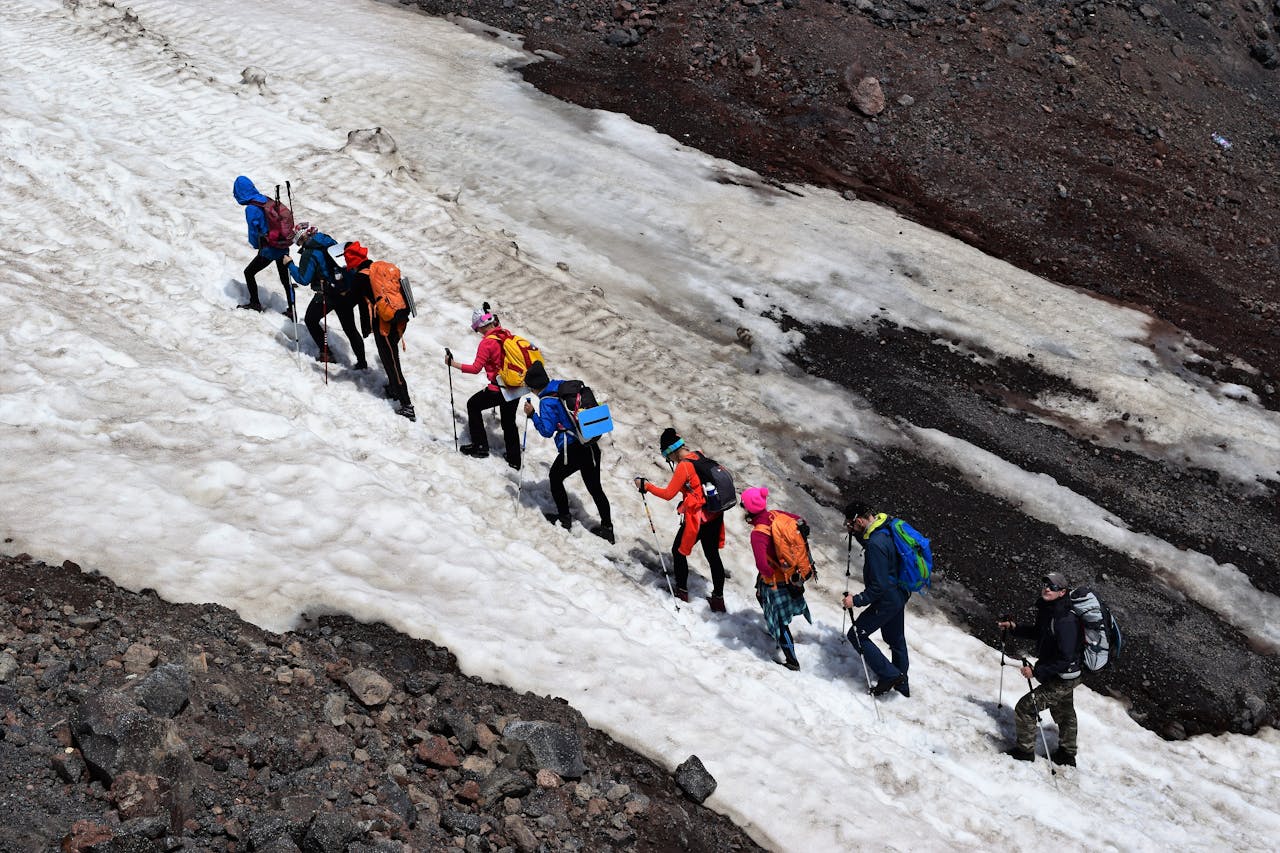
317	269
248	196
884	598
552	421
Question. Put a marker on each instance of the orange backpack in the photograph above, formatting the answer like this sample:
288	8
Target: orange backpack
794	563
384	278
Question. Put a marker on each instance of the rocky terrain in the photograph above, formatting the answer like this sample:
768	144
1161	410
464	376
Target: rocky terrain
130	724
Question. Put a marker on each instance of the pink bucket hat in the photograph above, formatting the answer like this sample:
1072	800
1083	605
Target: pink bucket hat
754	499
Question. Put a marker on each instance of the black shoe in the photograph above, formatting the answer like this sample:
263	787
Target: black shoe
904	688
886	684
604	531
1021	754
1062	757
682	594
325	356
406	412
716	603
251	306
791	663
513	464
359	365
475	450
563	520
288	312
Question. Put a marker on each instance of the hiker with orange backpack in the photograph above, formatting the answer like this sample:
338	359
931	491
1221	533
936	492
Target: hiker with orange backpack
699	522
779	544
491	359
270	226
387	313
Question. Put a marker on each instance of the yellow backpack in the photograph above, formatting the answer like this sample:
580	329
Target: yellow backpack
518	355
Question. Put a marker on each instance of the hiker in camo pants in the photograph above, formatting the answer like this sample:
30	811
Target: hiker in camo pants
1058	642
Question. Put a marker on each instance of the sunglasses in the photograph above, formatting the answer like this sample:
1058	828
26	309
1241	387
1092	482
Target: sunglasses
1052	587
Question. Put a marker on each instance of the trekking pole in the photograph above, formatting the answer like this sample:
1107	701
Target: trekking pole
644	500
520	471
866	675
324	350
847	575
1053	773
1004	632
453	409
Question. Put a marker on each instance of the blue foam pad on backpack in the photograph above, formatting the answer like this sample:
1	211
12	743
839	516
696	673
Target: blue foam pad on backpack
595	422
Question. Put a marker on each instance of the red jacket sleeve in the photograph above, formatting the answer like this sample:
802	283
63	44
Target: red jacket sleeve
679	479
488	358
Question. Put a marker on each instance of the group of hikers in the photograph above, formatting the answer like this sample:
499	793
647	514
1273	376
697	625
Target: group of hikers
897	560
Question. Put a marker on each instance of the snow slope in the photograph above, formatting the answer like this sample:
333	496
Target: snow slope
174	443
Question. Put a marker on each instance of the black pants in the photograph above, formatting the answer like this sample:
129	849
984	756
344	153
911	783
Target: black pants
344	305
574	458
257	265
709	536
479	403
389	355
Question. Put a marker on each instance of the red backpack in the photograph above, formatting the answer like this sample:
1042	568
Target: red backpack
279	222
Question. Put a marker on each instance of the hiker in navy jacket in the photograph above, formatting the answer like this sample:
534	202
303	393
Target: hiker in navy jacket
884	598
1058	644
252	200
317	269
552	421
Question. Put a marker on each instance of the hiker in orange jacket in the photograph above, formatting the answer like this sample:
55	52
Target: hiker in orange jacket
489	359
696	524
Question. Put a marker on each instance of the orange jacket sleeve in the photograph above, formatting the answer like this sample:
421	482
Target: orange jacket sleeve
681	477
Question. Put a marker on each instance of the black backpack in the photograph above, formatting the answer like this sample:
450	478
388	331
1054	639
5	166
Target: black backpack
717	484
576	397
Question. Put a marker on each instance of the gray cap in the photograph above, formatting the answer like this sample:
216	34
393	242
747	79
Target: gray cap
1057	580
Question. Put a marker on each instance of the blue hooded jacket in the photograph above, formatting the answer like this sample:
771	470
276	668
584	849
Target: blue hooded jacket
551	419
315	266
245	193
880	570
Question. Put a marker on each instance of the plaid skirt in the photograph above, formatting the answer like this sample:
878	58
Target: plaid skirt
780	607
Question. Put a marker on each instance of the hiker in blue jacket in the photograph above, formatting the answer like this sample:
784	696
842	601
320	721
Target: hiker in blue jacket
317	269
884	598
252	200
552	421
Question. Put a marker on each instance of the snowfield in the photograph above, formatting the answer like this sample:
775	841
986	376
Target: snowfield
153	432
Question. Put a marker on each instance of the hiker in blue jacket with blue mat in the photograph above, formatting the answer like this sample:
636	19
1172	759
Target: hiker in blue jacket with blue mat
334	291
552	420
884	598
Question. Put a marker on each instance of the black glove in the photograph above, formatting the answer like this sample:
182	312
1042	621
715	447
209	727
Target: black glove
401	316
803	527
641	484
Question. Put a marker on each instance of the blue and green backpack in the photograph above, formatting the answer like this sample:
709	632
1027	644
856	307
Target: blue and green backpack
915	568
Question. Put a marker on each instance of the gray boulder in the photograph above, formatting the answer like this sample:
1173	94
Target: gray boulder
165	690
552	747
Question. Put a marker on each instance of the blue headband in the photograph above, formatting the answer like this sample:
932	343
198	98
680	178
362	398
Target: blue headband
675	445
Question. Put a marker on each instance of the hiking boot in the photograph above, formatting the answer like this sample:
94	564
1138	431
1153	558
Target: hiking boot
1061	756
904	688
563	520
325	356
790	662
513	463
251	306
1021	754
288	312
884	685
604	531
360	365
682	594
407	412
475	450
716	603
